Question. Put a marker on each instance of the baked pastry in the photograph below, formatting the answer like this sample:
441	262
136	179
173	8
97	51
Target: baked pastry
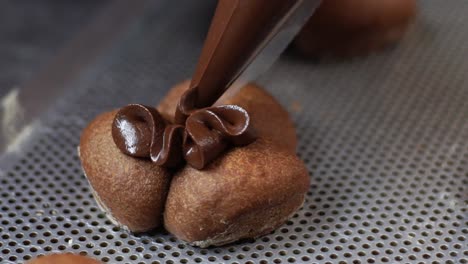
66	258
236	174
354	27
260	105
131	191
246	193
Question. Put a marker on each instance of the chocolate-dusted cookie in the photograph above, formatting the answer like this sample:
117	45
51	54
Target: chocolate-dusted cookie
66	258
246	193
268	117
354	27
131	190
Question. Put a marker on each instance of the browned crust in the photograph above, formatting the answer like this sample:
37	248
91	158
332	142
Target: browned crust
261	106
134	190
66	258
254	224
246	193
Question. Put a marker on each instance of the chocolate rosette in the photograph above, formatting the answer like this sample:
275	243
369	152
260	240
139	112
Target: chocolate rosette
140	131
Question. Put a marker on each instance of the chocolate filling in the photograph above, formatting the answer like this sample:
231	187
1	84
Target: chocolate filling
140	131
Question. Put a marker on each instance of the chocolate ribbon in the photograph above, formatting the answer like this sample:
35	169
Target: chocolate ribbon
140	131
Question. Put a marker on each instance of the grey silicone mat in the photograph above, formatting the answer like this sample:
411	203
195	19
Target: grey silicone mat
385	139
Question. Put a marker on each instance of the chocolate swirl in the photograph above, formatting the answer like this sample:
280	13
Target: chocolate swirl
210	130
140	131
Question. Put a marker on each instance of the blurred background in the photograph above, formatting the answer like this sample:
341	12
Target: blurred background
31	33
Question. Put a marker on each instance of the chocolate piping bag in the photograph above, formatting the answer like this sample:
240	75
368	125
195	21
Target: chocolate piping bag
244	39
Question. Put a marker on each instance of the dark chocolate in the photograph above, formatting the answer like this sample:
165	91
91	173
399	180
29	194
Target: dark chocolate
140	131
210	130
135	127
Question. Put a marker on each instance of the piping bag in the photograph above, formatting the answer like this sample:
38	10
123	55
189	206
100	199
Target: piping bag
244	39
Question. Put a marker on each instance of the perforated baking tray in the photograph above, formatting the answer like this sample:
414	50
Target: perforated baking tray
385	139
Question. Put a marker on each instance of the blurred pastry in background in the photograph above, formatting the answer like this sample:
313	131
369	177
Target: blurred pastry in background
354	27
66	258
